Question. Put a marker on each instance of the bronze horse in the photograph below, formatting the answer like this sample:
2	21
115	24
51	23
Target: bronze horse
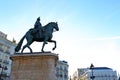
32	36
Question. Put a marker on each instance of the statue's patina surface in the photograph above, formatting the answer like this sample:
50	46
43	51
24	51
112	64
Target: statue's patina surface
40	34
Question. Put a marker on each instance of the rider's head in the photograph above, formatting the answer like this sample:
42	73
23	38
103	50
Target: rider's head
38	19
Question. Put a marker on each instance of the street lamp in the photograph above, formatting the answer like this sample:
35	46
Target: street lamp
91	68
70	78
2	69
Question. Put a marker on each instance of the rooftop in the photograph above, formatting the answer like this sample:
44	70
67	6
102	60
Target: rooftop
101	68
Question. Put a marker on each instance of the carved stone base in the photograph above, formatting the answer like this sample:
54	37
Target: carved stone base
35	66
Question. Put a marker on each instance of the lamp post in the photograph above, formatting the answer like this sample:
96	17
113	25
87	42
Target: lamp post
2	69
91	68
70	78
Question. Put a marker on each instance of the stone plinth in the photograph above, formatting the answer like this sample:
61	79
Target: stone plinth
35	66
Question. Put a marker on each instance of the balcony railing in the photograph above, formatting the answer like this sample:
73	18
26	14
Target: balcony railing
6	62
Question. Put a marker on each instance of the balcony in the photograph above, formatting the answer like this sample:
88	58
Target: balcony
6	62
0	60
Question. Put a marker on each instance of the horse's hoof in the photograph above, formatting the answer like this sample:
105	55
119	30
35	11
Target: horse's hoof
46	43
42	51
21	51
53	49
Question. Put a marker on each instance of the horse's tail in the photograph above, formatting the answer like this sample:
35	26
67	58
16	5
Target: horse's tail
18	47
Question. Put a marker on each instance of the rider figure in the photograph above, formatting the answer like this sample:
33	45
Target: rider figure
38	27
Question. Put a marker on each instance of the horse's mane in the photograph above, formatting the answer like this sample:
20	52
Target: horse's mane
48	24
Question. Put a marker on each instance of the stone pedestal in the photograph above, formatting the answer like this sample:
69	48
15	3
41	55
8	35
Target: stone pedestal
35	66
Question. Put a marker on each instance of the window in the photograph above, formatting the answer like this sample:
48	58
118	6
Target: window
1	47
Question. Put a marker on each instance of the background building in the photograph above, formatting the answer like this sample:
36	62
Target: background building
98	73
6	48
79	72
62	70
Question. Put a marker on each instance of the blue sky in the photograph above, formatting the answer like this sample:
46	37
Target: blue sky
89	29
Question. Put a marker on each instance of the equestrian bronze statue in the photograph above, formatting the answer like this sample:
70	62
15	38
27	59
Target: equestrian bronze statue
44	35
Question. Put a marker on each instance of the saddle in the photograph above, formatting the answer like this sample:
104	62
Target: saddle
34	31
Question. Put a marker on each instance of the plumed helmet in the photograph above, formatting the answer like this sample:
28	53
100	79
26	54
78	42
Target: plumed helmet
38	18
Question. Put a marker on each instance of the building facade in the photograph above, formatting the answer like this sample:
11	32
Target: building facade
6	48
79	72
62	70
97	73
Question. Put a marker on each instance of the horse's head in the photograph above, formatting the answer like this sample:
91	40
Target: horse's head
55	26
52	26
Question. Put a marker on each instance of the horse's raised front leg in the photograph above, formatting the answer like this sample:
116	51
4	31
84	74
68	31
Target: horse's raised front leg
54	43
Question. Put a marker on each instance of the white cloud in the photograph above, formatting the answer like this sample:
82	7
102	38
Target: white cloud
99	51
